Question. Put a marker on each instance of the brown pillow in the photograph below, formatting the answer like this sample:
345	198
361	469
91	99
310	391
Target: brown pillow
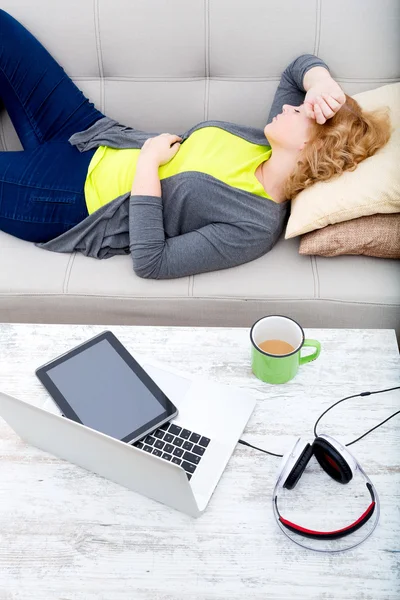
375	235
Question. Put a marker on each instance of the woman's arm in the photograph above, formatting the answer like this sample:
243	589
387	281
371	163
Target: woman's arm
324	95
146	181
314	76
291	88
212	247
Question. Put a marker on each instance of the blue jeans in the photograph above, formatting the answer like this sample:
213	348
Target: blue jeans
42	186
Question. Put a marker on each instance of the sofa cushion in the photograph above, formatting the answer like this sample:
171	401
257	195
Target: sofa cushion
48	287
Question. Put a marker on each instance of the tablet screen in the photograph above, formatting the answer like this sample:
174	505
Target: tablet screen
105	392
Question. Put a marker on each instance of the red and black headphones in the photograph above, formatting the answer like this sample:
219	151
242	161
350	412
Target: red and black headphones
339	464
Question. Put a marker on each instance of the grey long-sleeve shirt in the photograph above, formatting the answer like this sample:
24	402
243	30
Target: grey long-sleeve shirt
199	224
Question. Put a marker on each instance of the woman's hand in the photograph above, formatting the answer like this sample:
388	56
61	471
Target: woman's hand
323	100
159	148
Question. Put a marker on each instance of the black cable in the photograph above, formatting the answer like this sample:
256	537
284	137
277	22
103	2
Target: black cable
327	410
260	449
376	426
356	396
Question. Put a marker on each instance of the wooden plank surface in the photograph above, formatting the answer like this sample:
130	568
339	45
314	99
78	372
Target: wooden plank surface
68	534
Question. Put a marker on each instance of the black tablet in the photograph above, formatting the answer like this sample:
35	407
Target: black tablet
101	385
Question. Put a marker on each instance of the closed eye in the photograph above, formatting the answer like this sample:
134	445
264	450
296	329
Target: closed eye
296	110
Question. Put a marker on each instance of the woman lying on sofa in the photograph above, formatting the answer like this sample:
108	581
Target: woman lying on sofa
213	197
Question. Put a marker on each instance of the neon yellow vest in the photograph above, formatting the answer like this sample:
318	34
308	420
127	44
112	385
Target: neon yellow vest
210	150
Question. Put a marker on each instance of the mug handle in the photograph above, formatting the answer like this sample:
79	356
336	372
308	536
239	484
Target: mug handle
313	355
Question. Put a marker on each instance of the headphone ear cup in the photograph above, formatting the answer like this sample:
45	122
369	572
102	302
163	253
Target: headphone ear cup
332	461
298	468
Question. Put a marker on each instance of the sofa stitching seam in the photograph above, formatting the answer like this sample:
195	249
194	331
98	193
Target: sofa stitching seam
99	53
313	274
206	298
317	27
187	78
317	278
68	272
207	58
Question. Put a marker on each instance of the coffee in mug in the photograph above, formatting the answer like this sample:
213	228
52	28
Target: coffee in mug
276	347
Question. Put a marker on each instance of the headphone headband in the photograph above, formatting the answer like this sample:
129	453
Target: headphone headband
330	535
341	465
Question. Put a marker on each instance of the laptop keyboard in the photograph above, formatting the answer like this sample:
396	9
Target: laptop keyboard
175	444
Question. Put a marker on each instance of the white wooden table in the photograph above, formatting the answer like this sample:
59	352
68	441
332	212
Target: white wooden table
67	534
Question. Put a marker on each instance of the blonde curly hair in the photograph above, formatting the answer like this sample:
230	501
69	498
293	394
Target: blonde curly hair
338	145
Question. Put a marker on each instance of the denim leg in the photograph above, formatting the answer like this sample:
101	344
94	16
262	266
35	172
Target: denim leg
42	101
42	190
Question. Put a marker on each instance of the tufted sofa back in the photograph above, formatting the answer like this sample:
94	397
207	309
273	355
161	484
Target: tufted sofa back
161	65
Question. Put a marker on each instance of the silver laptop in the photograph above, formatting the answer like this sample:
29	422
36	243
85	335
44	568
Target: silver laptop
215	412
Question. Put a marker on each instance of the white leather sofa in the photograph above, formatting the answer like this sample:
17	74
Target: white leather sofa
164	66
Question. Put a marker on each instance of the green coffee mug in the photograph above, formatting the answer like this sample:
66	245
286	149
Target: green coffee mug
279	368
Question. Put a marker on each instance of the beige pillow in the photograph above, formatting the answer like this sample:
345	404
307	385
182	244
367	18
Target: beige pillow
375	235
373	187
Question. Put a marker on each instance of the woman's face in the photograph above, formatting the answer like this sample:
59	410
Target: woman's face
291	128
